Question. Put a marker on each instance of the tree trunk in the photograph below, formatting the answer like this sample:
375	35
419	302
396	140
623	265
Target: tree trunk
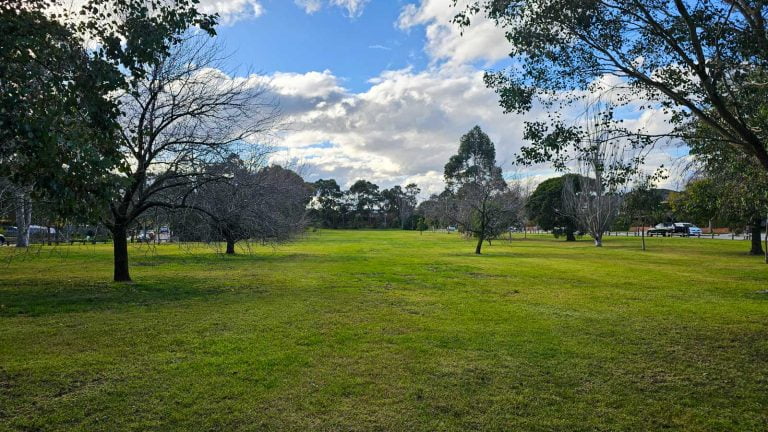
757	240
480	240
230	246
23	216
569	235
599	240
766	239
120	245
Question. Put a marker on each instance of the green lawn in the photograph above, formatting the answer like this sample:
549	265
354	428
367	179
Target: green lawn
388	330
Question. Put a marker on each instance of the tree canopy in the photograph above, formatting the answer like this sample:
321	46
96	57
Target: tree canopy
545	206
697	59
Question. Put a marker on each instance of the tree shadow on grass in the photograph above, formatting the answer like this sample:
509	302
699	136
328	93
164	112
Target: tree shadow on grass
35	299
157	280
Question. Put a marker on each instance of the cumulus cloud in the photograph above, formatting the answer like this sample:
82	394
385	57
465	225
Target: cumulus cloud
405	127
482	41
354	8
408	123
231	11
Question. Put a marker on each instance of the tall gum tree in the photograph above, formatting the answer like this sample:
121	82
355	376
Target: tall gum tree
479	199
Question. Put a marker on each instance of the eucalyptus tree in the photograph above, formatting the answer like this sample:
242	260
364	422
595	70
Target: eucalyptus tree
181	115
695	59
367	199
400	202
327	203
480	200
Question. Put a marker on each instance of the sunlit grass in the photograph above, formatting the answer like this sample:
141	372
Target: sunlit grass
388	330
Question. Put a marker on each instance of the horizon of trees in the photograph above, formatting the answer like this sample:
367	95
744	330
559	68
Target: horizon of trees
112	116
364	205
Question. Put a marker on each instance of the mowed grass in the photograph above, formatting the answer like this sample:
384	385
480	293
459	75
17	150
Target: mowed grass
391	331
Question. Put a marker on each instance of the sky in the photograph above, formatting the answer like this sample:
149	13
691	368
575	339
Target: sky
382	89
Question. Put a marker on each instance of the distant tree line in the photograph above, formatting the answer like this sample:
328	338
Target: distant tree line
364	205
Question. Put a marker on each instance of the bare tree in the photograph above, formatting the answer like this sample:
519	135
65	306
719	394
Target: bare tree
23	210
485	209
606	161
249	202
434	210
183	116
16	202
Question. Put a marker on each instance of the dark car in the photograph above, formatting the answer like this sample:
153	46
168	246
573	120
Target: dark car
663	229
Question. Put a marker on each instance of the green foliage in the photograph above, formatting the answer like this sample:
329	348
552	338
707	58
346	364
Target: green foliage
545	205
645	204
329	208
478	199
703	59
59	122
388	330
698	203
475	160
734	187
364	205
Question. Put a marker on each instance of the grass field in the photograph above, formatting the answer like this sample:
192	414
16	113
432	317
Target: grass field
388	330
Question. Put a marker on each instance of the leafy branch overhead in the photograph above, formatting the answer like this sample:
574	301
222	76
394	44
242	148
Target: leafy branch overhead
691	59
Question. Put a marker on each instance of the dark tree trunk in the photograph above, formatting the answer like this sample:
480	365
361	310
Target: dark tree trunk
569	235
120	243
230	246
480	240
757	243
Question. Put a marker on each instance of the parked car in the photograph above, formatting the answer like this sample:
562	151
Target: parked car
164	235
146	236
687	229
663	229
684	229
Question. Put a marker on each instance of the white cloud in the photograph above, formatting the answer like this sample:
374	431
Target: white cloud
354	8
310	6
481	41
405	127
231	11
408	123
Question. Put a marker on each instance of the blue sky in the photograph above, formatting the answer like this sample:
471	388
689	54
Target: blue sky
285	38
379	89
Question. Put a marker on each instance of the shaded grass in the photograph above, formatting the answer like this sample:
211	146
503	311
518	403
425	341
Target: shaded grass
388	330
